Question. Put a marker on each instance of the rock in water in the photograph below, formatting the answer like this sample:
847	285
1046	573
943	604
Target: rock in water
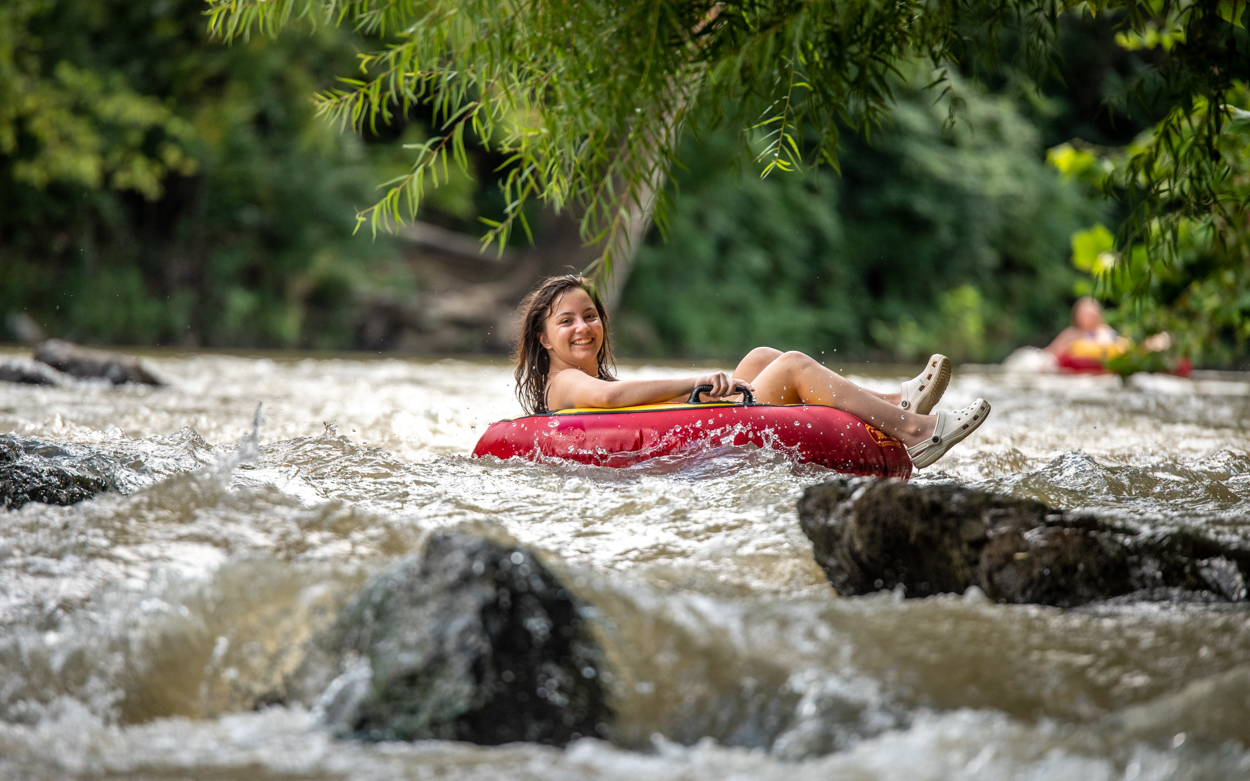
30	373
879	534
33	471
473	641
83	362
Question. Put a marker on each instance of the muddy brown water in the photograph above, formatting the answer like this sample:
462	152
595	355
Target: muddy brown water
139	630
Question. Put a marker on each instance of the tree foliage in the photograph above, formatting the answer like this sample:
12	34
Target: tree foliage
933	238
157	187
587	98
83	126
1188	273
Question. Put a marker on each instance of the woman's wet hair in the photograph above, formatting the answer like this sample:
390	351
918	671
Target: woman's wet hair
533	363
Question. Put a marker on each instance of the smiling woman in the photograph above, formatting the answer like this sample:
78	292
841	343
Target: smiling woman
533	354
564	361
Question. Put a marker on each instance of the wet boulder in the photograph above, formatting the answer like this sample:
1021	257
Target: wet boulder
472	641
83	362
34	471
28	372
870	534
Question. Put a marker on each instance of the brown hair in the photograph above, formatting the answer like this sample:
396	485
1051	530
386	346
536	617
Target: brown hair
533	363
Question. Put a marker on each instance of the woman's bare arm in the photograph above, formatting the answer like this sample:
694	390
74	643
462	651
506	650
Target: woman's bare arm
1065	338
574	388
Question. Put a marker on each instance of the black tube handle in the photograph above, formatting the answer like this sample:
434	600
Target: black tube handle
747	399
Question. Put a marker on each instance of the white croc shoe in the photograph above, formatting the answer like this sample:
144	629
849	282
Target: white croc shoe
951	429
922	394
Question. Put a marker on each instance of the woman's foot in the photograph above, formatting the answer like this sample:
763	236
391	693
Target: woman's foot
921	394
949	429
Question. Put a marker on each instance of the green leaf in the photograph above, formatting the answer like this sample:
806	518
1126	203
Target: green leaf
1231	11
1091	248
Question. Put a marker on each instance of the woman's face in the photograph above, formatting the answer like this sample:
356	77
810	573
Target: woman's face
573	331
1088	316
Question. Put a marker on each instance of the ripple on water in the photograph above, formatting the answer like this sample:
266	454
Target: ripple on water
1201	488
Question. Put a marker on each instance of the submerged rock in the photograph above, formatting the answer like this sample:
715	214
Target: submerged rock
471	641
28	372
34	471
880	534
83	362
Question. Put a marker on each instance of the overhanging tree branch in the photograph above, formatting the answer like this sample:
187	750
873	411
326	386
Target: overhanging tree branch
586	100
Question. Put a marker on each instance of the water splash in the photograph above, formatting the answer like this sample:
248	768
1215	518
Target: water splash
246	452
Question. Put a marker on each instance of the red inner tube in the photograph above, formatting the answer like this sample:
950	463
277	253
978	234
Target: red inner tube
810	434
1079	365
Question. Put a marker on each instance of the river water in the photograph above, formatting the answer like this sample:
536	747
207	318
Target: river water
140	631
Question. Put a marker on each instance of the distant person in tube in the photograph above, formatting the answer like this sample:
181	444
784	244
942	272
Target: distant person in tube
1089	342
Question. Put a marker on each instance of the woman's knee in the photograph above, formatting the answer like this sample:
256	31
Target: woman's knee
795	359
755	362
763	355
798	365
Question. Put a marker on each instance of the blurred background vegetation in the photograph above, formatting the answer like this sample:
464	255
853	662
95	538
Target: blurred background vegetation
157	187
933	238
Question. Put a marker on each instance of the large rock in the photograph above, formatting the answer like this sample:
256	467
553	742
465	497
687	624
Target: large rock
472	641
880	534
28	372
83	362
34	471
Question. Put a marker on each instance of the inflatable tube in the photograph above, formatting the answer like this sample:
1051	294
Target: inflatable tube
1085	361
1081	365
622	437
1089	355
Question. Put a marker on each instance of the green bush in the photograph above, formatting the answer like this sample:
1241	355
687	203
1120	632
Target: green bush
159	187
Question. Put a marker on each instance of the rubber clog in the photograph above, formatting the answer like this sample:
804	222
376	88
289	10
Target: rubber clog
950	430
921	394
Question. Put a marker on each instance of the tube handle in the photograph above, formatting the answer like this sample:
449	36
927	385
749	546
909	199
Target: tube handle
747	399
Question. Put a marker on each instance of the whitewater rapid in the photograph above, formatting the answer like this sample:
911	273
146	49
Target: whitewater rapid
141	631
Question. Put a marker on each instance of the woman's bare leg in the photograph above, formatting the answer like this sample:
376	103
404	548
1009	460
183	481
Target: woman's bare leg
759	359
755	362
794	378
889	398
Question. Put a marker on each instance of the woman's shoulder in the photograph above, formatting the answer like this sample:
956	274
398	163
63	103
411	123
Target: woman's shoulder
560	399
568	374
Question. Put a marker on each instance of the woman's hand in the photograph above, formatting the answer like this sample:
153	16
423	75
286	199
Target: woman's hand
1157	343
722	384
